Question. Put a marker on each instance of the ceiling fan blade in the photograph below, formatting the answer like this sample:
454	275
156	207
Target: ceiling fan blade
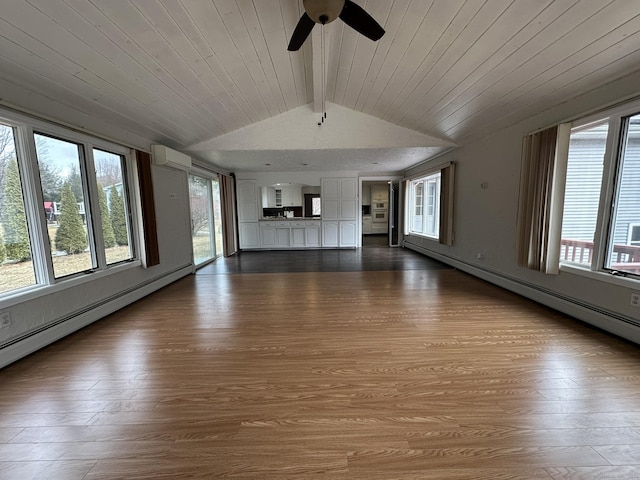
357	18
301	32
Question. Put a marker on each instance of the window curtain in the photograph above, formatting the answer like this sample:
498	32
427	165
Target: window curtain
445	235
150	247
542	180
229	227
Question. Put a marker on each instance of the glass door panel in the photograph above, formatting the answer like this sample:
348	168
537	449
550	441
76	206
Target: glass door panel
217	217
201	219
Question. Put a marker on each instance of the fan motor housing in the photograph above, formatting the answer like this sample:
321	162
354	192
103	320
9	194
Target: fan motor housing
323	11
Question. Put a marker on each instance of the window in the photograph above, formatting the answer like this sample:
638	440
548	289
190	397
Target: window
316	206
16	265
64	204
587	146
217	216
601	216
110	174
428	204
622	255
425	193
634	234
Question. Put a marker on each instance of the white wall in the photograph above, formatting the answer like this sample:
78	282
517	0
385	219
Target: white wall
485	221
93	296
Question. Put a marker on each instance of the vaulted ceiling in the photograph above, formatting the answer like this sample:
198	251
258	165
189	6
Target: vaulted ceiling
214	77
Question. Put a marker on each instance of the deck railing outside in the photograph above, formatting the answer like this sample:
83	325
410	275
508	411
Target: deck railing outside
625	257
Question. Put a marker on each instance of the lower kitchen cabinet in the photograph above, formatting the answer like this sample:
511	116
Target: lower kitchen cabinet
312	235
348	234
298	237
283	234
249	235
331	234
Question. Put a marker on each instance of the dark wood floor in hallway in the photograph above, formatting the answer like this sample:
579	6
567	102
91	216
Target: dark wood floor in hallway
374	364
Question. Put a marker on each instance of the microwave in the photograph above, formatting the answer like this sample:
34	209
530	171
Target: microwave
380	205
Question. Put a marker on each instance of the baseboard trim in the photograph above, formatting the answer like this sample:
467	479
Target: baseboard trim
74	322
603	319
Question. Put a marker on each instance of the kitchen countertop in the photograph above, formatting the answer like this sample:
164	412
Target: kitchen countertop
280	219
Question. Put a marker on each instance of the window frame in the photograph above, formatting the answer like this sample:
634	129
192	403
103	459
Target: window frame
431	179
25	128
611	171
632	226
444	234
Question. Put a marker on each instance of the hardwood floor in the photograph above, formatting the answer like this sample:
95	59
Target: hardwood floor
409	371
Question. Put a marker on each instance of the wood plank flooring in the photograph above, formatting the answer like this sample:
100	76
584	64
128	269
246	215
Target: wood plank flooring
409	371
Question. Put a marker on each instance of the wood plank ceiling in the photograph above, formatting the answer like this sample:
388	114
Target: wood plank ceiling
180	72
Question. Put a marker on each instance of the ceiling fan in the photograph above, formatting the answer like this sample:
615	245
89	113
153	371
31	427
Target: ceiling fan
326	11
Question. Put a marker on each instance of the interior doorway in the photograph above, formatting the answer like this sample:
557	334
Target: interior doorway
380	212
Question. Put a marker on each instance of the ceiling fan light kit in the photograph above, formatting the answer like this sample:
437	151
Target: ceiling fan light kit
326	11
323	12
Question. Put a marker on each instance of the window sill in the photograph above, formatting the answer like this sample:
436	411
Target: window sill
37	291
601	276
423	235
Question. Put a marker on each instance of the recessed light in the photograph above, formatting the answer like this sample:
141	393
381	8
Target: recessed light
268	164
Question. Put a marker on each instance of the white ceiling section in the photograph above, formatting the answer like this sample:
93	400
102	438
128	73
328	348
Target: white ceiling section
188	73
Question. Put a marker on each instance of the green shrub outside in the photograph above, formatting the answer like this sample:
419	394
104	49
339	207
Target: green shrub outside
70	236
118	218
16	237
107	228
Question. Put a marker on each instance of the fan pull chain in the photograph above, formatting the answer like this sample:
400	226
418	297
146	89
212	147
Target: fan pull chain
323	55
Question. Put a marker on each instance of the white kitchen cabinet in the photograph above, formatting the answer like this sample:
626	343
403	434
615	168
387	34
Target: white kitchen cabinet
283	237
298	236
291	197
348	199
330	195
330	233
380	193
379	228
339	212
339	198
249	235
247	192
348	234
267	236
247	196
367	225
366	194
268	197
312	235
283	234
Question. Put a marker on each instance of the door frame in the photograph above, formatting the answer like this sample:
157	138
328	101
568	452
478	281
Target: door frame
381	178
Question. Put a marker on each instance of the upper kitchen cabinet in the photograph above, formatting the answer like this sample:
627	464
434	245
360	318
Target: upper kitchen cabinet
281	195
339	198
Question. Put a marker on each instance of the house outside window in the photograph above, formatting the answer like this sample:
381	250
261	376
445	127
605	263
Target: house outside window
601	215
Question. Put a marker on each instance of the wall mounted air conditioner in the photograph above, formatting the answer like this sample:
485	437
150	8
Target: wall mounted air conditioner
167	157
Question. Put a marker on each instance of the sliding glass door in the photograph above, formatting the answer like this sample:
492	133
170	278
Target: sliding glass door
206	225
217	217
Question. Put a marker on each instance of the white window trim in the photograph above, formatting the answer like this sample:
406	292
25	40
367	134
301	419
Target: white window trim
412	186
630	232
605	211
25	127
